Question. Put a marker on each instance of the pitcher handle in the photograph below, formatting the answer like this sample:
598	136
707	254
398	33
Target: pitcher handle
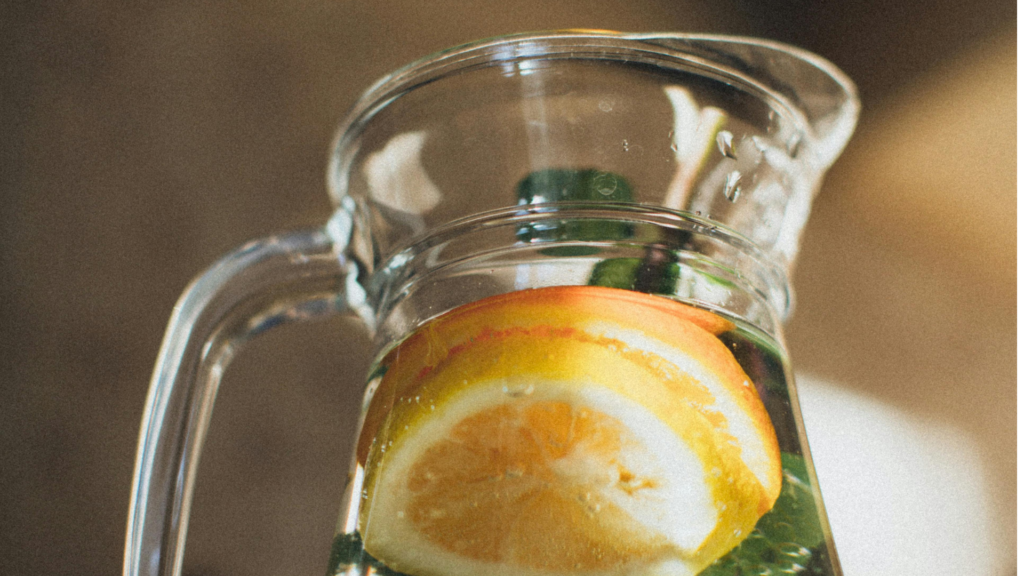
266	283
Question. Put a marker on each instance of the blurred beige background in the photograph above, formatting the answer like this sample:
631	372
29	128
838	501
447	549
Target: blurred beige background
140	141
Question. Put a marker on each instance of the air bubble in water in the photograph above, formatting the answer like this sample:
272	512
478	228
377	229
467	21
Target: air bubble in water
732	186
724	140
794	550
605	106
605	183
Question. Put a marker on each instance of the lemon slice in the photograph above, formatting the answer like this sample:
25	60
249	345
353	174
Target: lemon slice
571	430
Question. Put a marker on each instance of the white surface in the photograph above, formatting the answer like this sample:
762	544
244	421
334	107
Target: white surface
904	496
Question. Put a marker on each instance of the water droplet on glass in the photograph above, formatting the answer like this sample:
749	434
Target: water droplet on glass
605	106
732	186
793	144
724	140
625	145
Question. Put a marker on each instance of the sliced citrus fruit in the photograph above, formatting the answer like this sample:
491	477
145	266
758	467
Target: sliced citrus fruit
569	430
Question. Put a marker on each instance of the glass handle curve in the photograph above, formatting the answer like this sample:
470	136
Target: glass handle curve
266	283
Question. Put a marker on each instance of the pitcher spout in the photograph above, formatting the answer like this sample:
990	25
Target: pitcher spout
795	78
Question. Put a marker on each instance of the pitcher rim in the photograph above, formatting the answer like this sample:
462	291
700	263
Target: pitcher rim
486	52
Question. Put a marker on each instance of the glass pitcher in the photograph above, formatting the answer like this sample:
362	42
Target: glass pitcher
572	251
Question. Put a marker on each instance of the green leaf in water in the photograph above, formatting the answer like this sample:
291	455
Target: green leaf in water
570	251
656	273
616	273
347	551
568	185
630	273
794	518
763	361
786	539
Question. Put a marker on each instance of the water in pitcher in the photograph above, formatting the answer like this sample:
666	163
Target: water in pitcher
581	430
